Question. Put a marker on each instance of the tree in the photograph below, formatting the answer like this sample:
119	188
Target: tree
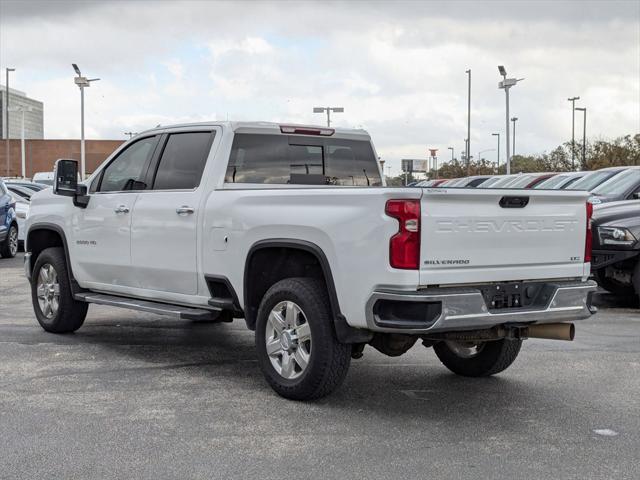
599	154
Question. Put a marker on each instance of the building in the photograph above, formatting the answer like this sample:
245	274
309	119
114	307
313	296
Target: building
41	155
19	103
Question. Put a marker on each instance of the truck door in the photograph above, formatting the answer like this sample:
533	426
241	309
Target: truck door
100	244
164	230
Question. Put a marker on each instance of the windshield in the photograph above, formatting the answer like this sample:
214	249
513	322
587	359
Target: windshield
569	183
457	183
521	182
490	182
619	184
44	181
552	182
20	193
593	179
477	181
501	182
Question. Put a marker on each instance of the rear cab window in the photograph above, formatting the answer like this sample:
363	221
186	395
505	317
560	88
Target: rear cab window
302	160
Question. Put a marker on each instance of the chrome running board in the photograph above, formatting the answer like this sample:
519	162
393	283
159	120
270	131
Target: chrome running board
174	311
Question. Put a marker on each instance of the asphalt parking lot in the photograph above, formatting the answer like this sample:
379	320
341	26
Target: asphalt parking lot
134	395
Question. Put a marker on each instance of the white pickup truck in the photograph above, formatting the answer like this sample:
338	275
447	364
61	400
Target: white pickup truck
291	228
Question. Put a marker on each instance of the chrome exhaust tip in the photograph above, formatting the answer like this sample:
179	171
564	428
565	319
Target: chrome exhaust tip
551	331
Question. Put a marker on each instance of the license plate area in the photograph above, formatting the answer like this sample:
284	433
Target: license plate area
516	295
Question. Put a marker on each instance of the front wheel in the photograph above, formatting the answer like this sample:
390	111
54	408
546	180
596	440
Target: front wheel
53	303
298	351
478	359
9	247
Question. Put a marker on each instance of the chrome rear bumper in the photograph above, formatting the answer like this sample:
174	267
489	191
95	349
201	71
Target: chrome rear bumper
466	309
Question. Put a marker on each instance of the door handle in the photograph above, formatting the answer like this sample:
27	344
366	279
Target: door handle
121	209
185	210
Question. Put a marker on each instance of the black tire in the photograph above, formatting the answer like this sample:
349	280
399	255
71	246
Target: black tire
7	249
636	280
328	360
613	286
492	357
70	313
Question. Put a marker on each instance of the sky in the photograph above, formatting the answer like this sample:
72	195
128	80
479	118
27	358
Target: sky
397	68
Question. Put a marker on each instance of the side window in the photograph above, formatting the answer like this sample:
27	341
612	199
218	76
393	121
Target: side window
128	169
183	160
258	159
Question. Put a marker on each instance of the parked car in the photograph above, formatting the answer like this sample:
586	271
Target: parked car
492	181
616	247
560	181
220	220
45	178
19	191
592	179
469	182
33	186
448	182
453	182
529	180
500	181
22	198
623	186
438	182
8	223
432	183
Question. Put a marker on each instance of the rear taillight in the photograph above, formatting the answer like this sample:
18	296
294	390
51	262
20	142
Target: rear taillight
588	241
404	246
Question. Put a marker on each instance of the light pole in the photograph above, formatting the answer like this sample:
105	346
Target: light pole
82	83
584	135
131	134
498	164
434	159
328	110
506	84
6	116
22	149
483	151
451	148
513	148
468	148
573	130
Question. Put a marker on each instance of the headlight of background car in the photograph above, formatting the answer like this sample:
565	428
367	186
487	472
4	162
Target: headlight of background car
615	236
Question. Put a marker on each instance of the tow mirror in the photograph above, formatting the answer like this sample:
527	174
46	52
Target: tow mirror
65	177
65	182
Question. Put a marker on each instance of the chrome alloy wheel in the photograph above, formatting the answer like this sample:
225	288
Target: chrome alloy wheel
48	290
465	349
288	340
13	241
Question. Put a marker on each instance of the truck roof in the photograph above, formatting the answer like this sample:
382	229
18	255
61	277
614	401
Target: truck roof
265	127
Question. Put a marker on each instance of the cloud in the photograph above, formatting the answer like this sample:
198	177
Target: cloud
397	67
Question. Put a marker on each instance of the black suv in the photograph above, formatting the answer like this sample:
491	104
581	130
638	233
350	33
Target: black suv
616	247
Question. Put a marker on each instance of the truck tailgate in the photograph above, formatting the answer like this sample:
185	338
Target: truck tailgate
473	236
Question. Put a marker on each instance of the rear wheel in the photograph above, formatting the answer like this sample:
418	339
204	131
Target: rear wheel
53	303
298	352
9	247
478	359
